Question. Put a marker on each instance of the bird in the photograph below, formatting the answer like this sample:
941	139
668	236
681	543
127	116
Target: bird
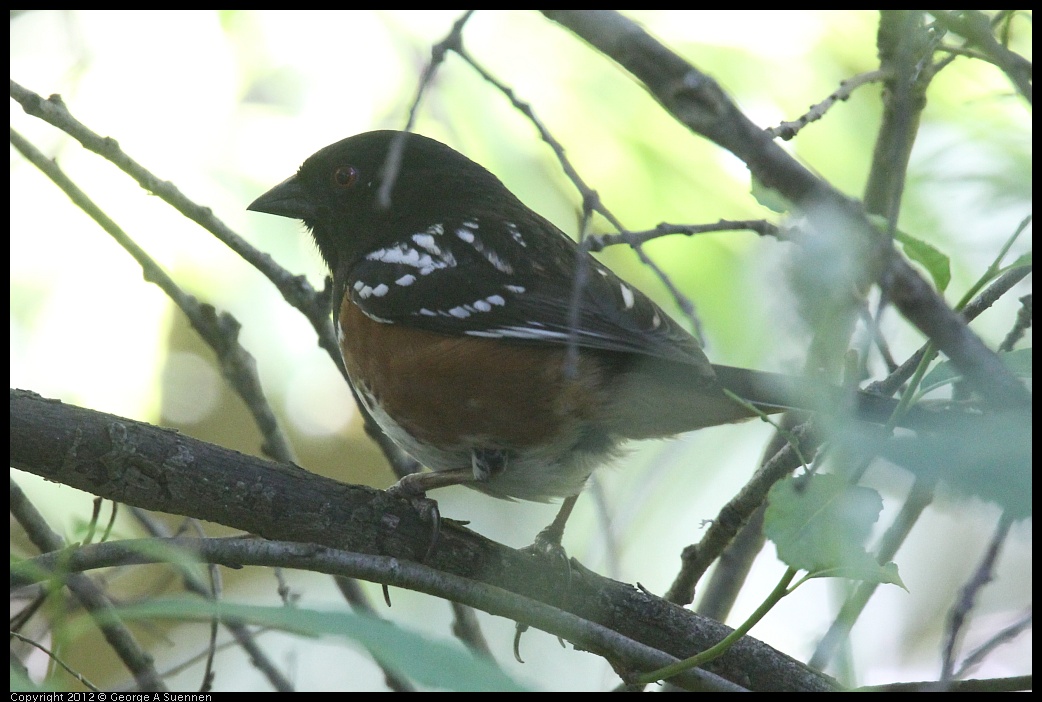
463	333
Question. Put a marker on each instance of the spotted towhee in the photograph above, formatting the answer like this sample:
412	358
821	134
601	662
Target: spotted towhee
454	309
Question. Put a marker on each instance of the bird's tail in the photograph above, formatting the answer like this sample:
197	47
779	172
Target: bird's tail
670	398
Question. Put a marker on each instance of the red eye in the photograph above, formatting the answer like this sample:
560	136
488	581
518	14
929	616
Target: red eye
345	176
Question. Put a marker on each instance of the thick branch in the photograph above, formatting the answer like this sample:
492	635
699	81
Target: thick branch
163	470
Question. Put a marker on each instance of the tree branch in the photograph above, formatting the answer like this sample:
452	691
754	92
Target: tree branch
697	101
163	470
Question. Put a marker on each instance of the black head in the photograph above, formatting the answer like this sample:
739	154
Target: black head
336	191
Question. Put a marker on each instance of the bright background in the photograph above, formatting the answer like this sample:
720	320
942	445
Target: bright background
226	104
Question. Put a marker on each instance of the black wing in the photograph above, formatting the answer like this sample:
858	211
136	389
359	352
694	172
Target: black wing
483	277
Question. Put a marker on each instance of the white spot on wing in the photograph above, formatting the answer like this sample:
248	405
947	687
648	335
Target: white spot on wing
500	265
627	296
431	265
365	292
464	311
407	279
405	255
469	235
515	233
373	317
532	332
426	242
516	332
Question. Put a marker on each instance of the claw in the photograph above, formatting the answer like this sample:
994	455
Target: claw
427	507
547	544
413	487
519	629
549	538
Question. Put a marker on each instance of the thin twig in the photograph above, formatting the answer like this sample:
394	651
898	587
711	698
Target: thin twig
220	331
788	130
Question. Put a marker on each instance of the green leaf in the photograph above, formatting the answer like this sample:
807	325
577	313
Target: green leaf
937	264
820	525
1018	361
428	662
987	457
874	572
769	197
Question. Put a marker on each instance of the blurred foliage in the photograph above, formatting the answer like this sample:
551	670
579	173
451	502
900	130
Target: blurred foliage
225	104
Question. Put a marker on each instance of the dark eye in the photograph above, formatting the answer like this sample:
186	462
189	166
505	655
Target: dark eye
345	176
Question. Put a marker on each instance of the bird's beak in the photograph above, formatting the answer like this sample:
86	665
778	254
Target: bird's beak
287	199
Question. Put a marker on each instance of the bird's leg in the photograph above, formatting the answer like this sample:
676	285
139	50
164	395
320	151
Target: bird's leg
548	544
549	539
417	484
485	463
414	487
